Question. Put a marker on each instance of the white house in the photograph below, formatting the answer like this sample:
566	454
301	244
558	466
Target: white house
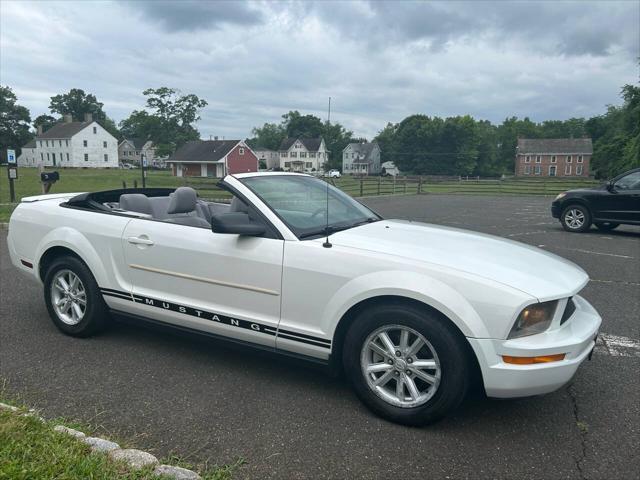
76	144
271	158
303	154
28	157
361	159
389	168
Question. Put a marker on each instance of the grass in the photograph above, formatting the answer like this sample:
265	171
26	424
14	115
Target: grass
31	449
83	180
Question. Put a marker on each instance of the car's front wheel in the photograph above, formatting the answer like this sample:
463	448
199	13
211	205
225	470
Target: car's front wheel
606	226
406	364
73	298
575	218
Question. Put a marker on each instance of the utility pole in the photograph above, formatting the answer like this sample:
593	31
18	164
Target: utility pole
329	113
142	162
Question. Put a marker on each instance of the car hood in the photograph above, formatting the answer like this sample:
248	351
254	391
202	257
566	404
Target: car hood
536	272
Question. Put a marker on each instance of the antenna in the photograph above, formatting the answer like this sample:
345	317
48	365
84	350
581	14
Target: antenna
327	243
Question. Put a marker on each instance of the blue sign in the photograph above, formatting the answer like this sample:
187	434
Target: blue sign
11	157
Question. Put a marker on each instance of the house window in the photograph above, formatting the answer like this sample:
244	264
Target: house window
285	154
287	164
47	141
294	154
67	156
104	144
86	157
538	170
303	154
567	169
66	142
578	169
553	159
580	159
42	156
60	142
538	158
309	165
312	154
569	158
137	152
527	159
106	157
47	156
84	143
40	143
552	170
95	130
297	145
241	151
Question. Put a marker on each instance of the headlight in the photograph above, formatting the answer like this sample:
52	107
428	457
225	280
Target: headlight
560	195
534	319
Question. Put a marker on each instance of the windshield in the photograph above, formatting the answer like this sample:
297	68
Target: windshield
301	202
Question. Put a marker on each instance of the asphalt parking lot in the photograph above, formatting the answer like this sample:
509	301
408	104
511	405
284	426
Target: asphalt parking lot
207	402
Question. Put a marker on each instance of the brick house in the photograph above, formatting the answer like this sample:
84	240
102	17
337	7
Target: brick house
213	158
553	157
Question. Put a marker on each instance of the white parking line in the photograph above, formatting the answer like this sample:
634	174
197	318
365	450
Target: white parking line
617	346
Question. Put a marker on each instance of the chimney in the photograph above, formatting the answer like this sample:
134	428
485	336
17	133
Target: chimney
67	118
215	138
88	117
39	130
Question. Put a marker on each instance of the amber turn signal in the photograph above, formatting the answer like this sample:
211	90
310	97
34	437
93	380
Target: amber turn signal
532	360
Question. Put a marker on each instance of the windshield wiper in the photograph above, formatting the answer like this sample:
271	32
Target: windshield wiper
329	229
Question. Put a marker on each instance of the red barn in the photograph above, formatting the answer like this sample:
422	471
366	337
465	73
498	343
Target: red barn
213	158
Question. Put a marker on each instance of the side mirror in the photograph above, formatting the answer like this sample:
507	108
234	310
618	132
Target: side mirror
236	223
611	186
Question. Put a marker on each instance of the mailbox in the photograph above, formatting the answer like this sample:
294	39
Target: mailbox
49	177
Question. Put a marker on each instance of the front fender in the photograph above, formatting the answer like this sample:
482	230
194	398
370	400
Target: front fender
411	285
76	242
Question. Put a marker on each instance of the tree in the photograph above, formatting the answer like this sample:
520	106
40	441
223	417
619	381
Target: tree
14	123
77	103
45	121
269	136
302	126
170	122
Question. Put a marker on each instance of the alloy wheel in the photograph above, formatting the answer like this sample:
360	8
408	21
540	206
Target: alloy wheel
68	297
400	366
574	218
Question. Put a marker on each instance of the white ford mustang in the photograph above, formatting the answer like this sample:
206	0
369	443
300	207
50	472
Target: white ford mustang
412	312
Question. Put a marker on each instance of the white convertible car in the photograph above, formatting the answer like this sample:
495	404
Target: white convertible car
413	313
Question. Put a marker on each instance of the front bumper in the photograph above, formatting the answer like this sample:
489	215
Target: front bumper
575	338
555	210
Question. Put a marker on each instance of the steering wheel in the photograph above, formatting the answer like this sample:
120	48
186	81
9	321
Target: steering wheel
319	211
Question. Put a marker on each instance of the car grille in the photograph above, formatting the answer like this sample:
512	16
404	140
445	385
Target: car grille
568	311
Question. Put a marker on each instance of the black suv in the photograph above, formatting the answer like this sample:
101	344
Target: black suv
607	206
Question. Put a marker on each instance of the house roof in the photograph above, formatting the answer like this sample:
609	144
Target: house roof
555	145
203	151
64	130
137	143
31	144
311	144
363	149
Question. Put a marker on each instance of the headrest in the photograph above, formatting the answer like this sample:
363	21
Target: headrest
135	202
183	200
238	205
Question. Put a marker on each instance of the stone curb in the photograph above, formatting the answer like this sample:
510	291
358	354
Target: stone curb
134	459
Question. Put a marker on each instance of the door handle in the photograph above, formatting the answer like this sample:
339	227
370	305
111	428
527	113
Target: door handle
140	241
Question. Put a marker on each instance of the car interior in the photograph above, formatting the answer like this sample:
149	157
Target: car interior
181	206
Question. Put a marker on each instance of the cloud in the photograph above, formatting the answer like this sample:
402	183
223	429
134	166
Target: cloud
380	61
196	15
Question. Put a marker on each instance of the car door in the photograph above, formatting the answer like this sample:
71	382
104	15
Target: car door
188	276
621	202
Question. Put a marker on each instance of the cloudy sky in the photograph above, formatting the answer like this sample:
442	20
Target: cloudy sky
379	61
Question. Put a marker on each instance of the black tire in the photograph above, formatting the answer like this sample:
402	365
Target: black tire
455	364
96	315
577	212
606	226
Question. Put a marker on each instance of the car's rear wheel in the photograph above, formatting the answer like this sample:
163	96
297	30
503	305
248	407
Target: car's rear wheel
73	298
575	218
606	226
407	365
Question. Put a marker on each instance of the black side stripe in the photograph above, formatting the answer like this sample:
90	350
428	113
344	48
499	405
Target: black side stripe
215	317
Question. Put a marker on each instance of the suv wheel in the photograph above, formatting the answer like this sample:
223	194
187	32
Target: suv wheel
607	226
73	298
575	218
405	364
